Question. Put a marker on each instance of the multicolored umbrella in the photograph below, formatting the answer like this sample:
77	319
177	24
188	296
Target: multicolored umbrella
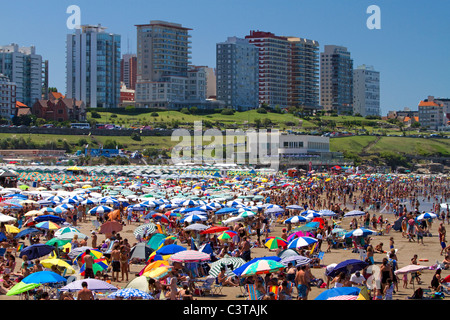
227	235
94	253
275	242
47	225
301	242
153	265
130	293
98	265
160	217
158	273
262	266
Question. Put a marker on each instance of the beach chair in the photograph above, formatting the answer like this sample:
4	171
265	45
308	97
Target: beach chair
273	289
362	254
206	287
252	293
216	288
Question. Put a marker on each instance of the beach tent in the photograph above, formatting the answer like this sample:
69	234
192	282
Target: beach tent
141	251
155	241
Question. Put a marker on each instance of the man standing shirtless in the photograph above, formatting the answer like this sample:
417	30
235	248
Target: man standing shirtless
88	262
301	282
85	293
115	262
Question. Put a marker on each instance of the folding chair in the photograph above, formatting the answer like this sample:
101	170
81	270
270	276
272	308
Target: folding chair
216	288
273	289
362	254
251	289
206	287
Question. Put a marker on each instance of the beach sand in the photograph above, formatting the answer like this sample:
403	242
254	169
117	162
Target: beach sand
429	250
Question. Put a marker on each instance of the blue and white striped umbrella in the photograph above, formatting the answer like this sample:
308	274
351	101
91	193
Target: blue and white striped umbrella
301	242
56	199
216	205
128	293
208	208
150	203
193	218
360	232
100	209
313	215
109	200
186	210
69	201
89	201
274	210
227	211
306	212
354	213
296	219
202	213
77	198
138	207
189	203
57	209
168	206
295	207
427	215
66	206
327	213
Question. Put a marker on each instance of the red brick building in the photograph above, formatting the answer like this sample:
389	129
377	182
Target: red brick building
60	109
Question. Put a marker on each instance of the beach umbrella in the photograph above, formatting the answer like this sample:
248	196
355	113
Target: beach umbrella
144	229
100	210
48	263
6	218
301	242
33	213
307	227
47	225
63	230
298	234
65	206
159	272
25	232
348	266
214	229
156	240
93	285
294	207
56	199
57	241
129	293
343	293
44	277
21	287
110	201
139	207
91	201
70	235
170	249
354	213
141	251
11	229
360	232
426	215
274	210
190	256
50	217
275	242
232	219
36	251
140	283
262	267
77	251
230	263
94	253
160	217
196	227
69	201
110	226
313	215
238	271
98	265
227	235
153	265
189	203
327	213
227	211
193	218
247	214
295	219
296	260
410	268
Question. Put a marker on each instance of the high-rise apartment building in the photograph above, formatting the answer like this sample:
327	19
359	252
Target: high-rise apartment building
7	98
163	55
128	70
93	67
336	80
23	67
366	91
237	73
288	70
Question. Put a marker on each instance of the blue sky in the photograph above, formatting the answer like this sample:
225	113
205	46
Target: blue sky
411	50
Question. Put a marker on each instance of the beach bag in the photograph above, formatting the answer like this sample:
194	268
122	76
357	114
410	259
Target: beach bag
418	294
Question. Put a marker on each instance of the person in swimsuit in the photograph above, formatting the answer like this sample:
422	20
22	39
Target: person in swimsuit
386	273
115	262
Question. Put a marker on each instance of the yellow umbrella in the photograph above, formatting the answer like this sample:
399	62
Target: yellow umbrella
86	186
11	229
157	273
48	263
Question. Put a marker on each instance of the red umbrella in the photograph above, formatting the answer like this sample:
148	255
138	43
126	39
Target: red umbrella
160	217
110	226
214	229
321	222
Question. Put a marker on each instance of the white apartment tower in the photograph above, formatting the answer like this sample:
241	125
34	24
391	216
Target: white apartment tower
366	91
23	67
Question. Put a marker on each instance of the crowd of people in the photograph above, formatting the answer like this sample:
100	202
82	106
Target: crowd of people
379	196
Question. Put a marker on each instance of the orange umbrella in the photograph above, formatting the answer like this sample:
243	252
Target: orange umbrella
110	226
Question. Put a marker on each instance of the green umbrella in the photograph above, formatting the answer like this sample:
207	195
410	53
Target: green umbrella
60	242
22	287
225	262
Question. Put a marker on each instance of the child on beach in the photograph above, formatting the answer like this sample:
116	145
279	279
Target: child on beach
391	243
